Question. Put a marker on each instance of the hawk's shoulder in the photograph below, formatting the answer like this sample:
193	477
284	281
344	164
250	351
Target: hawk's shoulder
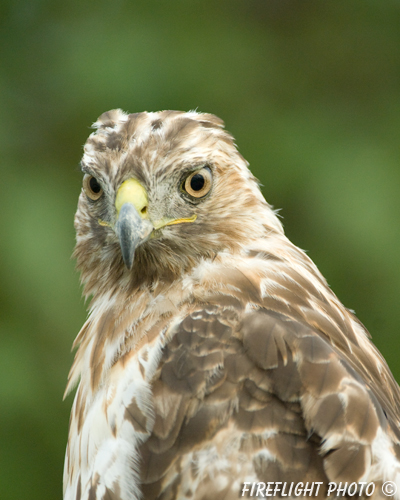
260	388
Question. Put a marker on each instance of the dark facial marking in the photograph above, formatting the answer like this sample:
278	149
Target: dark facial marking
157	124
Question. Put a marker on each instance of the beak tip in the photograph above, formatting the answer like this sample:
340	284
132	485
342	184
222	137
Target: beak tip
128	260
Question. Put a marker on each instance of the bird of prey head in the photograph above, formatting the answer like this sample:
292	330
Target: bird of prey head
162	191
214	354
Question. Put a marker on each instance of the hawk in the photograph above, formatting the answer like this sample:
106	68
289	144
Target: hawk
214	355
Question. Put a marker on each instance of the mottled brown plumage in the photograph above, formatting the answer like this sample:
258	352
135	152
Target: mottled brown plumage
214	352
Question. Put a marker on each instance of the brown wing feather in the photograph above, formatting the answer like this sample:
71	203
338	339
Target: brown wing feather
258	389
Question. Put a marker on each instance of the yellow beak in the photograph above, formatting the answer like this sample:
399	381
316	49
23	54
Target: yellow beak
131	191
133	226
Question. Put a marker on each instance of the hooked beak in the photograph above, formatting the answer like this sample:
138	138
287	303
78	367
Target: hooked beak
132	226
132	231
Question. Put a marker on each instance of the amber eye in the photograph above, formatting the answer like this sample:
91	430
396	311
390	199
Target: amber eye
198	184
92	187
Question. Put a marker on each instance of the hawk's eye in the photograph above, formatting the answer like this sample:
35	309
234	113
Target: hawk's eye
92	187
198	184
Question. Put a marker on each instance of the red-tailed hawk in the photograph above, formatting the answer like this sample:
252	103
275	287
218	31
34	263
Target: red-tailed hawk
214	356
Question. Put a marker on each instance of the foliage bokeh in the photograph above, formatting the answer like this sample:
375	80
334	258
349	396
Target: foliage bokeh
310	90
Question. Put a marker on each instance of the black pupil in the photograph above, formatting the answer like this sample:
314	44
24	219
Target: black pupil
197	182
94	185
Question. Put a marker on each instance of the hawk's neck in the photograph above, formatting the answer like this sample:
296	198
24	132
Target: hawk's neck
270	273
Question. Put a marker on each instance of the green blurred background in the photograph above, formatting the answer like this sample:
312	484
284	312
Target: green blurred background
310	90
